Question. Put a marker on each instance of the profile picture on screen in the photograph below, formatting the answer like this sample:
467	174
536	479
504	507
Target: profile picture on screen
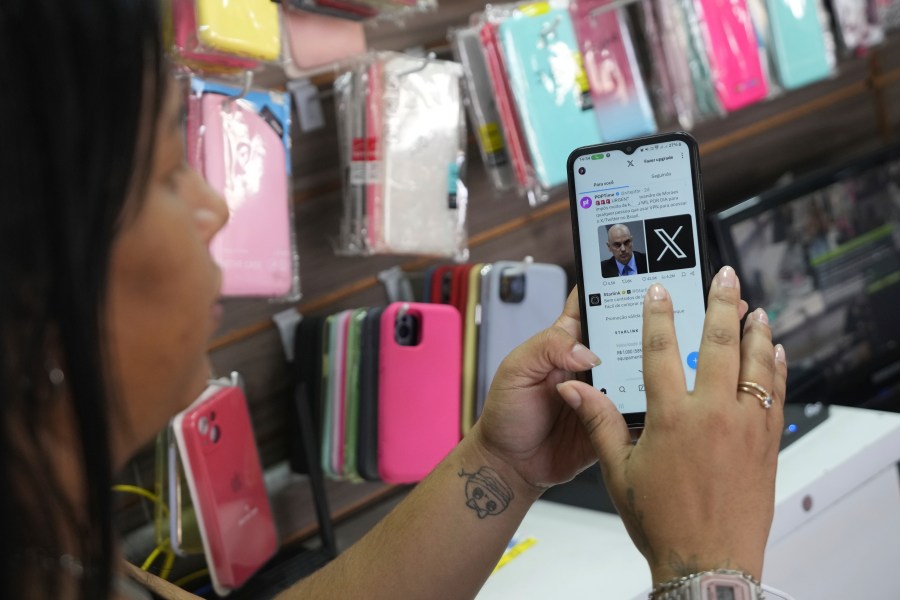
623	249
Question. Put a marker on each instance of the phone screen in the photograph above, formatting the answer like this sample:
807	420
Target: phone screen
637	220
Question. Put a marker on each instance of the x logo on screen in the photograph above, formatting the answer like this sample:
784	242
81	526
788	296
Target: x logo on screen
670	243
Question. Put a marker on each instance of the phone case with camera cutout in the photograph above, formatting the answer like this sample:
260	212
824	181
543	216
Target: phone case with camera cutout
225	479
506	324
418	392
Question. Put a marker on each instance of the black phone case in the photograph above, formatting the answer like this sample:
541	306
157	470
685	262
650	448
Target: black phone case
367	441
307	373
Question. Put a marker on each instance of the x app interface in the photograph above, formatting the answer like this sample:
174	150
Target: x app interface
637	226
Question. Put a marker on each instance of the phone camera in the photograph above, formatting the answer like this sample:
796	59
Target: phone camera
214	434
203	425
512	286
629	149
595	300
582	170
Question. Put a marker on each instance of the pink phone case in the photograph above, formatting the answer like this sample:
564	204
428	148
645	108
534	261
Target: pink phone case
244	160
339	370
318	40
733	54
227	487
184	30
418	392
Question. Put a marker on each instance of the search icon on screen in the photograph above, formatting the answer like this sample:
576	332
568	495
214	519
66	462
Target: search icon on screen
621	388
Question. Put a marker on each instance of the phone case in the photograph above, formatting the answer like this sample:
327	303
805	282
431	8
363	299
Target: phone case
367	442
424	205
459	290
244	159
505	325
329	342
308	374
550	89
470	347
248	28
798	41
184	33
733	56
338	368
176	526
352	380
226	483
418	392
427	282
441	284
482	107
319	40
621	104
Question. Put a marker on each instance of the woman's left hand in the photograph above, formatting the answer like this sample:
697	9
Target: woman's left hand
524	422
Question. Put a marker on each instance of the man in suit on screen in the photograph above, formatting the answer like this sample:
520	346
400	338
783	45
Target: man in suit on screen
625	260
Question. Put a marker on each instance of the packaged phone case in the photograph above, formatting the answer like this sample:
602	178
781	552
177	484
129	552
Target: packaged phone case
857	24
518	300
483	112
731	47
621	104
313	41
221	464
418	389
424	202
705	94
239	141
550	88
667	73
358	10
188	48
798	42
248	28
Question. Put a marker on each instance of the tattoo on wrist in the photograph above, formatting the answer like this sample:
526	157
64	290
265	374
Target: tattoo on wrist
486	492
683	567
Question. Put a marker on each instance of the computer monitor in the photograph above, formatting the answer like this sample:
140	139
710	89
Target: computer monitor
822	256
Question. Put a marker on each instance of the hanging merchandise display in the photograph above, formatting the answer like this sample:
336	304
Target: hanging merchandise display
857	24
621	104
239	140
549	84
802	48
312	41
403	138
189	50
731	48
698	55
246	28
483	111
360	10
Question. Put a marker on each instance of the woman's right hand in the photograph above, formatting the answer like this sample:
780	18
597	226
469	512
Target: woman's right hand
697	490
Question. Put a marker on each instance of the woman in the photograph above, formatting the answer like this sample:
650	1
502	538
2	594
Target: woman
109	299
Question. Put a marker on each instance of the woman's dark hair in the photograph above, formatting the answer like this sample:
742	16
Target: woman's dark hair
80	92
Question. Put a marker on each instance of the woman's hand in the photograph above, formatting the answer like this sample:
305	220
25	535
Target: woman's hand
524	422
697	490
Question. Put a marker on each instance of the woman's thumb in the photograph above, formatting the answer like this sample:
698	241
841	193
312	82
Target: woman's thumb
604	423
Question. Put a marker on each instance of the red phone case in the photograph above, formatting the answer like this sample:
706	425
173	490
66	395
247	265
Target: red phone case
227	487
437	285
418	392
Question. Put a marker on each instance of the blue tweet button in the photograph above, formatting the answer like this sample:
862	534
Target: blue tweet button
692	360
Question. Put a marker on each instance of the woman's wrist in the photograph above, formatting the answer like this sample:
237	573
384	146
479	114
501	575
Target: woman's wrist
476	454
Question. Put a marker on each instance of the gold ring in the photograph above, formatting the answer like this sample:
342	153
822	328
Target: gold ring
757	391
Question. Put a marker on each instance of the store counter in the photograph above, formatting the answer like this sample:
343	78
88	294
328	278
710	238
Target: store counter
836	532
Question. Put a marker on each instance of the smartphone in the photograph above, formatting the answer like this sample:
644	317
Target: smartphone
225	479
637	219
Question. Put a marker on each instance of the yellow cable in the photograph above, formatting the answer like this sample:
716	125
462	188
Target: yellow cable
189	578
153	555
167	564
133	489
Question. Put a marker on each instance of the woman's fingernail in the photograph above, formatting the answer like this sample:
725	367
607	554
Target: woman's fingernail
583	355
760	315
726	278
780	356
657	292
569	395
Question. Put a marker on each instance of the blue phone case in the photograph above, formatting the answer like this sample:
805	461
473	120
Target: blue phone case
544	63
798	41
